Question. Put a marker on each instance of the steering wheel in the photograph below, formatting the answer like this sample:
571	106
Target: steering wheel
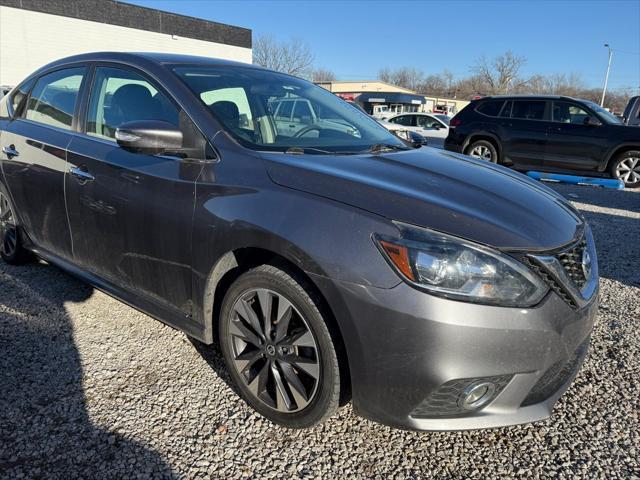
306	130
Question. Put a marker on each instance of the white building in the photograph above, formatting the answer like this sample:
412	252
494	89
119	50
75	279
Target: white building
36	32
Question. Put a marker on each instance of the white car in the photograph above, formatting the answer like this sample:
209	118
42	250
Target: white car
296	116
426	124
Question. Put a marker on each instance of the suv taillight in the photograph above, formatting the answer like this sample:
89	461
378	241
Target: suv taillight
455	122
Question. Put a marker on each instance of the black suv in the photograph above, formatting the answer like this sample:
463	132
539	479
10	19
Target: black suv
549	133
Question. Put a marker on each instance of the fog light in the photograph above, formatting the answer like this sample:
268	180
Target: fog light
477	395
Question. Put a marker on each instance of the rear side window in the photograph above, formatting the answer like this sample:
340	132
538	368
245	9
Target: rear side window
54	96
405	120
490	108
528	109
284	112
506	111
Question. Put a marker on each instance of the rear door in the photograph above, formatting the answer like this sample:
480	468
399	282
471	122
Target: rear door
131	213
571	143
35	166
525	133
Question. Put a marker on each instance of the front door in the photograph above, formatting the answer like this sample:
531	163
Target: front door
34	161
131	213
432	129
571	143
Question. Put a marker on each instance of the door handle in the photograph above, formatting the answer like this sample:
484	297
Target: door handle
10	151
81	174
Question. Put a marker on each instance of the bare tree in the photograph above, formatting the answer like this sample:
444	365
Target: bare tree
502	74
405	77
322	75
433	85
385	75
293	57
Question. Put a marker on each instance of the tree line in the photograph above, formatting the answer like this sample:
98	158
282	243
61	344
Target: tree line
500	75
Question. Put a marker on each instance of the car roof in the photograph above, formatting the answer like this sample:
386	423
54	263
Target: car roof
529	97
150	57
414	113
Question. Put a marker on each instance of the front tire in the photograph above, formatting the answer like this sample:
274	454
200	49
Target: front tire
12	249
626	167
278	348
483	150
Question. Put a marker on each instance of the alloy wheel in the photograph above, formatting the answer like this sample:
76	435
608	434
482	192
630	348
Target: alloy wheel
8	230
274	350
628	170
481	152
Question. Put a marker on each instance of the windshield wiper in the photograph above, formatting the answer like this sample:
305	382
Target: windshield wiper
303	150
385	147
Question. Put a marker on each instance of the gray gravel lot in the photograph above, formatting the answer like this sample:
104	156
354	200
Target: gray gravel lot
91	388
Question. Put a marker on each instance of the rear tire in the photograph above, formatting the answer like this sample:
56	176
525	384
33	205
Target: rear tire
12	248
626	167
278	348
483	150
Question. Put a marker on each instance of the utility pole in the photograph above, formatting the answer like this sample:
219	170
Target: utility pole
606	78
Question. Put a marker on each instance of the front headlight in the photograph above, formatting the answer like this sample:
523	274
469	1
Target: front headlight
455	268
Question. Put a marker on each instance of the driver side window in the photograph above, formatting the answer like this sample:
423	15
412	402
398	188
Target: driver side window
565	112
119	96
427	122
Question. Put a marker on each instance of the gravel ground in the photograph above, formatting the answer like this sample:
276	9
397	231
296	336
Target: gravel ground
91	388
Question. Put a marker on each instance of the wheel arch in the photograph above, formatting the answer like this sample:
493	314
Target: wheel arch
239	260
487	136
615	152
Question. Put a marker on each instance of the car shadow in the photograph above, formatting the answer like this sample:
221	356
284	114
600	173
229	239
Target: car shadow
213	356
45	428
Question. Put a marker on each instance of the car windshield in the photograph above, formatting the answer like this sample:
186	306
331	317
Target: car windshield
605	114
266	110
445	119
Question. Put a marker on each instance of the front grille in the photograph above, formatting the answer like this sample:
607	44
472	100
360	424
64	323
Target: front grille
551	282
443	402
556	376
571	261
565	275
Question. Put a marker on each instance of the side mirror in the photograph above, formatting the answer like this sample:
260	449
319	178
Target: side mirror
149	136
592	122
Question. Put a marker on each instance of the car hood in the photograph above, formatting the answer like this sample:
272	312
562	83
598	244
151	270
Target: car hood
440	190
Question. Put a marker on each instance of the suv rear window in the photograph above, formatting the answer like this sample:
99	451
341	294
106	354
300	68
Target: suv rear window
490	108
528	109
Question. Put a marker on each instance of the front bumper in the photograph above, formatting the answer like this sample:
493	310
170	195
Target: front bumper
405	347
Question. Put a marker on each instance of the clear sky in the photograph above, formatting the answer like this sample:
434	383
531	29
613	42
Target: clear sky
355	39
